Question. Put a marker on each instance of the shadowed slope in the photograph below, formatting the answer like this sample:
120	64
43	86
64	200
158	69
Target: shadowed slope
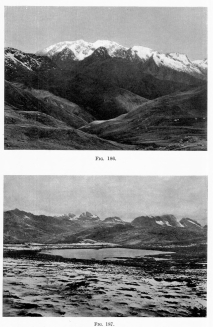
170	119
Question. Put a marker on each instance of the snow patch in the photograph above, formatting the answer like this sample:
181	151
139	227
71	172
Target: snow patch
180	225
160	222
167	223
193	222
73	218
11	56
15	60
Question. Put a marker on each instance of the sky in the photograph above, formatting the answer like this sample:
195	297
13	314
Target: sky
165	29
127	197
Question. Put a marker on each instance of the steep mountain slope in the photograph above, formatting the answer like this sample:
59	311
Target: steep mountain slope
202	65
104	100
27	68
37	119
99	84
16	59
150	221
21	226
31	100
190	223
26	227
96	82
178	119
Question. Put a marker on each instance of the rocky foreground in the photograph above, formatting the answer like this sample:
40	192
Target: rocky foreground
169	285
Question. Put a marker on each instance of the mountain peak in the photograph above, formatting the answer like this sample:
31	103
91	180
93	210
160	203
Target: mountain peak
190	223
101	53
163	221
84	216
88	215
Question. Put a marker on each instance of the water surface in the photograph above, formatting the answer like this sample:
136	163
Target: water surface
102	254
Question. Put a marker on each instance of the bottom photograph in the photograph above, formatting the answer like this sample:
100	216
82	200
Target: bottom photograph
105	246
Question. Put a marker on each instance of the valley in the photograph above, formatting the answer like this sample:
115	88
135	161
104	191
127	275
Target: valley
103	96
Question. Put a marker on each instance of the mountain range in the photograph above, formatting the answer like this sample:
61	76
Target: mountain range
164	230
81	95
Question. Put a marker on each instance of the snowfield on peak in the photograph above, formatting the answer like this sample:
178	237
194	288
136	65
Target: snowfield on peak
142	52
179	63
87	215
201	64
81	49
180	57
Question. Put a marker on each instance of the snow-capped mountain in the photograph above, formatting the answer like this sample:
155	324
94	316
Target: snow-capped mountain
202	65
141	52
22	226
83	216
154	221
178	62
190	223
166	221
80	49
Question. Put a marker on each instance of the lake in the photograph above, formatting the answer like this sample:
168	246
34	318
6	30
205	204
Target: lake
103	253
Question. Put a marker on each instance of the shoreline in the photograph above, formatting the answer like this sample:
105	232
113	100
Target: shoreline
194	257
42	285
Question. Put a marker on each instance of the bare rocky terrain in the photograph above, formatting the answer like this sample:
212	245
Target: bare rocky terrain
79	265
166	285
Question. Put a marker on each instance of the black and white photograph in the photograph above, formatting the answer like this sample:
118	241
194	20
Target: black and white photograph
105	246
105	78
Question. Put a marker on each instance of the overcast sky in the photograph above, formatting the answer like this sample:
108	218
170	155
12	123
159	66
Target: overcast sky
165	29
125	196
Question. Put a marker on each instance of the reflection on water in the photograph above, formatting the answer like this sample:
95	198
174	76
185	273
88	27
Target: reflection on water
101	254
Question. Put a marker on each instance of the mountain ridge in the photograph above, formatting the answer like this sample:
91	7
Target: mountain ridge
82	49
21	226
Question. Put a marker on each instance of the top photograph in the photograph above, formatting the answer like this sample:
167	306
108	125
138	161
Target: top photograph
106	78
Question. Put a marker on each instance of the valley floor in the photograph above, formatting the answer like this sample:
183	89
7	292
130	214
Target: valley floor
168	285
21	137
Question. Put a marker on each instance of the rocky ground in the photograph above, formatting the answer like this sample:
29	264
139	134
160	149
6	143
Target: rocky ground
169	285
